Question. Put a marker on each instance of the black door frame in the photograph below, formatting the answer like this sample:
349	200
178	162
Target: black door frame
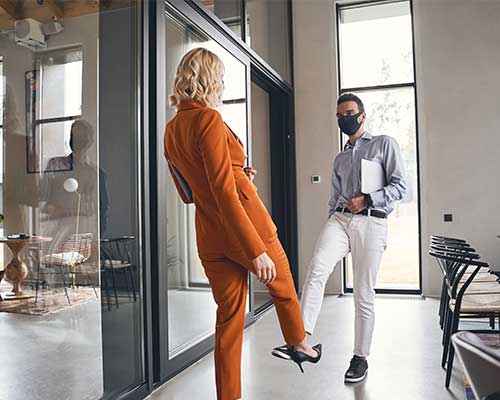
143	125
282	171
283	178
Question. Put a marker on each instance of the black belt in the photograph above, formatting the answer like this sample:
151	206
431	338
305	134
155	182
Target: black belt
367	211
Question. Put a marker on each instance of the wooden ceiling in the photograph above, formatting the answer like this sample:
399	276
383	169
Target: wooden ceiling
44	10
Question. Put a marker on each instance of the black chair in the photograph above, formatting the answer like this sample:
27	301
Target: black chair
443	245
460	304
116	261
481	365
448	239
483	283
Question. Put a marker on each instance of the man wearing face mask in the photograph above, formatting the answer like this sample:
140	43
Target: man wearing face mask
357	223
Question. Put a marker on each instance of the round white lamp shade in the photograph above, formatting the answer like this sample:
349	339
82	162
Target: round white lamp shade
71	185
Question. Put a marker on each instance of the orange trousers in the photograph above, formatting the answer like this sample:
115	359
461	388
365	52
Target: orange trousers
228	277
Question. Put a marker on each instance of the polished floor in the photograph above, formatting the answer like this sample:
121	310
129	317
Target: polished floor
54	356
404	364
60	356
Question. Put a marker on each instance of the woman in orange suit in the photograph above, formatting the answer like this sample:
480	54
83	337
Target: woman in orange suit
234	231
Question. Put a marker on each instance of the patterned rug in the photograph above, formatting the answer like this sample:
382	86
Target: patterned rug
492	340
49	300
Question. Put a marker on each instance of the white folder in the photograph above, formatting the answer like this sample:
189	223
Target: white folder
372	176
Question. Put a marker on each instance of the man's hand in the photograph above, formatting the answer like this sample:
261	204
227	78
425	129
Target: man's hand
356	204
250	172
264	268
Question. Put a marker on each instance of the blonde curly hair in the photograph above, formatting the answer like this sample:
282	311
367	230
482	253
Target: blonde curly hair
199	77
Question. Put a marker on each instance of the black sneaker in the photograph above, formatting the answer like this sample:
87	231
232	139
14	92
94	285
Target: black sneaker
284	352
357	371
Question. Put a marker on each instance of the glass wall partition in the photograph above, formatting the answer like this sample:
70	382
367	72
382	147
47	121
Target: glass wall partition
70	270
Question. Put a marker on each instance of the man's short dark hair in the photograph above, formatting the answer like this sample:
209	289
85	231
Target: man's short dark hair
351	97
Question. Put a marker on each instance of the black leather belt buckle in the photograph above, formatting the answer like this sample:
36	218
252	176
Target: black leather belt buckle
368	212
375	213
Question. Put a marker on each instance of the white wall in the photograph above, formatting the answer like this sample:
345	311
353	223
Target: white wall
457	62
458	58
317	141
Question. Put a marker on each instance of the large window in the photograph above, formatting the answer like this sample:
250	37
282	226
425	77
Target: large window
56	103
376	63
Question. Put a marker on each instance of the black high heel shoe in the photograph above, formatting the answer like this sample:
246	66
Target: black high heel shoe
300	357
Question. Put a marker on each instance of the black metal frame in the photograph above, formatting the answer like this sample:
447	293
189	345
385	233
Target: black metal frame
143	14
413	85
282	182
151	118
205	20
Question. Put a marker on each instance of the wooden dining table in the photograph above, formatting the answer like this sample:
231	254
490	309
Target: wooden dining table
17	271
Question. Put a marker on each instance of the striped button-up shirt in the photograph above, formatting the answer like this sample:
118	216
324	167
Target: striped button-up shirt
346	176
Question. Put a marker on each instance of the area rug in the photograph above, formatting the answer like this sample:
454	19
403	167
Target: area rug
492	340
49	300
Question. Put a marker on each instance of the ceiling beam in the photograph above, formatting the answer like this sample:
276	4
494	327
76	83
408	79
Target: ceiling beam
10	8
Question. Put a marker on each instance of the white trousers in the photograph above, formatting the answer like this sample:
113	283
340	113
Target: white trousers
366	238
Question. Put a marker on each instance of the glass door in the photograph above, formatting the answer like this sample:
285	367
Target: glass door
186	307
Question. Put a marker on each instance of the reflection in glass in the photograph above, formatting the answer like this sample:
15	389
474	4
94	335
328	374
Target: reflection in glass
268	33
191	308
66	190
392	112
61	79
52	140
59	297
370	51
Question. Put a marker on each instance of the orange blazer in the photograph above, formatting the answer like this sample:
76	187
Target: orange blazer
229	213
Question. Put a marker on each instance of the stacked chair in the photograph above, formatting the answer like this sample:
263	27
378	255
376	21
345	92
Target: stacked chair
469	290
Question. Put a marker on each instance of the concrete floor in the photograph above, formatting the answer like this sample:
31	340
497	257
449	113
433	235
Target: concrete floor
60	356
404	365
54	356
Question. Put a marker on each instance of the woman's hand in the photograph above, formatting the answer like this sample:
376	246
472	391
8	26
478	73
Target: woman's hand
264	268
250	172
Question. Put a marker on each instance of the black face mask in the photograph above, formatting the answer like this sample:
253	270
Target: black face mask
349	123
